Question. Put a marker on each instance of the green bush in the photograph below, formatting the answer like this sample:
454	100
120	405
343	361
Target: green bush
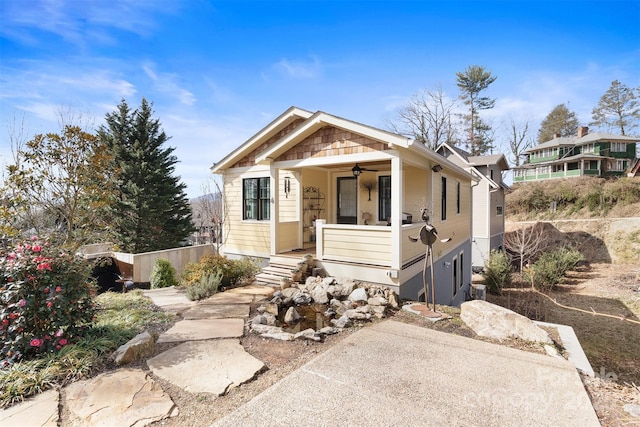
233	271
163	274
47	300
551	267
497	272
208	285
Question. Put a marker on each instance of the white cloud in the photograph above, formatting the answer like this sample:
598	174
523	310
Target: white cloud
166	83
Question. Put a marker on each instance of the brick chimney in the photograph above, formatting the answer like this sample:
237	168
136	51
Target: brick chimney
583	131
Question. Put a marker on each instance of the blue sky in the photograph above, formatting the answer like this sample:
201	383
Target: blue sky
218	71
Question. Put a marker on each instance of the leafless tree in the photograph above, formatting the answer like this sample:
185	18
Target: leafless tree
519	139
525	243
210	212
427	118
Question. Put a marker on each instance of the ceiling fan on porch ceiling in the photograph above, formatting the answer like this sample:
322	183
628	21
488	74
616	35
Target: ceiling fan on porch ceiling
357	170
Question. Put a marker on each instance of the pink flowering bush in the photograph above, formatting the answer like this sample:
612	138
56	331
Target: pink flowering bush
46	300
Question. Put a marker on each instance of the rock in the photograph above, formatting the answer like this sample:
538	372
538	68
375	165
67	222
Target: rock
328	330
492	321
320	295
286	282
124	397
328	281
289	294
313	281
277	301
378	300
226	363
378	311
392	297
308	334
259	319
265	329
632	409
282	336
137	348
358	294
552	350
364	309
330	312
40	410
271	308
354	314
302	299
347	286
291	316
341	322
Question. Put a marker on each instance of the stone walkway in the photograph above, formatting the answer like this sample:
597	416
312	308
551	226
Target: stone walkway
209	333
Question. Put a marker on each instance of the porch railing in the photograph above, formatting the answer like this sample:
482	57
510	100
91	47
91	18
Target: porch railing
364	244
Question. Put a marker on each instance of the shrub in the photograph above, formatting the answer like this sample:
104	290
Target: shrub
233	271
497	272
46	299
163	274
208	285
551	267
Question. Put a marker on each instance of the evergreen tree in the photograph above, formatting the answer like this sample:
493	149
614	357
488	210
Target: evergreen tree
152	211
559	121
617	108
472	82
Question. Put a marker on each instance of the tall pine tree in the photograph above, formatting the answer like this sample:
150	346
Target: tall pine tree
472	82
152	211
560	121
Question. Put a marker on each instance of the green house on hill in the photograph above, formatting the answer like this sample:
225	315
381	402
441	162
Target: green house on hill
595	154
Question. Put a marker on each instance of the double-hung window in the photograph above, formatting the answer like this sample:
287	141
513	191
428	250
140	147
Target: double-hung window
256	197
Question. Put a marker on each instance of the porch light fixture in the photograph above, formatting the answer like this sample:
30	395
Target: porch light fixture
436	168
287	186
356	170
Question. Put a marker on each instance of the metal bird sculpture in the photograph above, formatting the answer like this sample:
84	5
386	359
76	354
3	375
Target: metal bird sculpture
428	236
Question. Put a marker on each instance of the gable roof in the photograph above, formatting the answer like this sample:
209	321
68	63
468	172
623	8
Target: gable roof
283	120
321	119
488	160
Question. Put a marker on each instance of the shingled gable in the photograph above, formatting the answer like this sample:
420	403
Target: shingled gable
304	135
271	133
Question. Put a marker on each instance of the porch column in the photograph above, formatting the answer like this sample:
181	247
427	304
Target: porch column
319	240
274	175
397	201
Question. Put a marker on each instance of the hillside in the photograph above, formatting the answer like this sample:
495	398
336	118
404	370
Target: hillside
599	217
575	198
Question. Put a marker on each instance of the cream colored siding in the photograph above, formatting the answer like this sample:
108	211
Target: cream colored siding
287	236
411	250
360	244
416	191
481	209
288	205
246	237
456	226
497	221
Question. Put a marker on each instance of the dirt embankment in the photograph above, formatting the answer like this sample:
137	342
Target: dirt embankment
608	240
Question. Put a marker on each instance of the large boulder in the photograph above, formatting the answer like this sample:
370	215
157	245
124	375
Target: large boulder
492	321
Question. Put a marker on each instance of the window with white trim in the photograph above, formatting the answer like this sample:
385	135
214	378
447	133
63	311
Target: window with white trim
256	198
443	199
618	147
498	210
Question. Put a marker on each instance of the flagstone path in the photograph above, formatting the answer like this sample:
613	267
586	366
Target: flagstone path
209	359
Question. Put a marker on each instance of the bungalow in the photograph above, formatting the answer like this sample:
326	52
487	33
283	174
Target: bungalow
488	200
592	154
351	194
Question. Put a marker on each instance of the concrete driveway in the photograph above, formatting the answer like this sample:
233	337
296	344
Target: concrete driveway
394	374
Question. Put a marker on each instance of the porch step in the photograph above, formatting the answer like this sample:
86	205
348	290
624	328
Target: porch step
279	267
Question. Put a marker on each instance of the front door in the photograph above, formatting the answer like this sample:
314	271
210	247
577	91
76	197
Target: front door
347	200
